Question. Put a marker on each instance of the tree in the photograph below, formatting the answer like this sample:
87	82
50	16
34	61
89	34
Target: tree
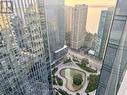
59	81
57	93
88	36
54	71
77	79
93	83
85	61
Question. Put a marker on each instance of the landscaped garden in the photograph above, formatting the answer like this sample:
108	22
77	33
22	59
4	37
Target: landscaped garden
83	64
93	83
56	79
74	78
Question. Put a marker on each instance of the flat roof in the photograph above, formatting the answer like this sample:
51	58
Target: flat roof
61	49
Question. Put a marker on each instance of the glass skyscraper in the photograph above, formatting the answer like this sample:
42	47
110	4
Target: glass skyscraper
103	31
24	52
115	60
56	29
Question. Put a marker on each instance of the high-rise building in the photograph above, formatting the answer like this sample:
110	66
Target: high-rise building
103	30
68	18
89	42
56	28
115	60
19	32
79	18
24	52
68	24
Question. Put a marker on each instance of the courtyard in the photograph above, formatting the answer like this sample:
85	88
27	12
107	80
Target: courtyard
70	68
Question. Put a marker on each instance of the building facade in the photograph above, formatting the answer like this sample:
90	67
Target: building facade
56	28
68	24
115	61
79	17
104	25
24	50
68	18
90	41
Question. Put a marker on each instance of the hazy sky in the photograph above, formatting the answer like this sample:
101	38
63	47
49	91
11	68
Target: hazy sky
90	2
94	11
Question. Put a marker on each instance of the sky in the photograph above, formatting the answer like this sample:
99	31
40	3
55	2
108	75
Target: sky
90	2
94	11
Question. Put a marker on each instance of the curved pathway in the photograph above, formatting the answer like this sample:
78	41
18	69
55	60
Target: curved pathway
73	66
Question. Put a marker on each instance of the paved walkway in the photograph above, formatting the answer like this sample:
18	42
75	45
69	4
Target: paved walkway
74	66
94	62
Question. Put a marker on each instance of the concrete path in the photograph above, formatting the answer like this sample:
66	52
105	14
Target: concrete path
74	66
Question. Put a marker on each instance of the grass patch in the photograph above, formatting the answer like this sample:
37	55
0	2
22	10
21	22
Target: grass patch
93	83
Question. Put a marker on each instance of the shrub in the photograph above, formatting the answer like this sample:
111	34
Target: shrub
85	61
59	81
57	93
54	80
68	60
76	60
62	92
93	83
77	79
83	66
77	94
54	71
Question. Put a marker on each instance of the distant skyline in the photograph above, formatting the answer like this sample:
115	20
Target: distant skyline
94	11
